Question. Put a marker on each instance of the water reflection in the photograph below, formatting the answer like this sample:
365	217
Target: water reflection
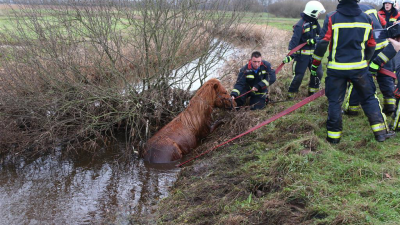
87	190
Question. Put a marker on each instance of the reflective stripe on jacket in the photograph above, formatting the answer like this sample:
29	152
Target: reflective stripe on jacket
350	41
248	78
394	16
376	24
302	31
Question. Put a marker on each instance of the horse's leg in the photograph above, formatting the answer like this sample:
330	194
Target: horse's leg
177	153
215	125
166	151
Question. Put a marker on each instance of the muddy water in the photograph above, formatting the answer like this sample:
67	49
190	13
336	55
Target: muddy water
86	190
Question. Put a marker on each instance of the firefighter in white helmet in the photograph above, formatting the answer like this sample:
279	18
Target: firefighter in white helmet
389	12
307	30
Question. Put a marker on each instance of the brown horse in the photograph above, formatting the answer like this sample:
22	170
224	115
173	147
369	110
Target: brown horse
183	133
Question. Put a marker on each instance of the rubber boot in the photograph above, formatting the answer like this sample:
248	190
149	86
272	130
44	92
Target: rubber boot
333	140
389	108
383	137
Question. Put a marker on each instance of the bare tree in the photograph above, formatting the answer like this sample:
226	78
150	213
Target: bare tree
76	71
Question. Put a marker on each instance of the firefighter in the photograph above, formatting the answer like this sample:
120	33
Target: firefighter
255	77
389	12
391	15
386	83
305	30
348	33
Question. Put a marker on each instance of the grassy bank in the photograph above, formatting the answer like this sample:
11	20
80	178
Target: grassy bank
286	172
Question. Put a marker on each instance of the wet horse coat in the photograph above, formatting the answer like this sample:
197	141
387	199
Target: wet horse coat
183	133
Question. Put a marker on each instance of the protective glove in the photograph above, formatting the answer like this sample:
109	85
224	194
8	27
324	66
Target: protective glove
373	68
287	59
314	70
311	41
396	93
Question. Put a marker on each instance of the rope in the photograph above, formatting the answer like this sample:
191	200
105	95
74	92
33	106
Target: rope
277	116
290	53
243	94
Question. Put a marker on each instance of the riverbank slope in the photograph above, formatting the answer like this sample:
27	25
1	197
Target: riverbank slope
285	172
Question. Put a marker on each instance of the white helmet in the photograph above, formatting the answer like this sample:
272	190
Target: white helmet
389	1
393	2
313	9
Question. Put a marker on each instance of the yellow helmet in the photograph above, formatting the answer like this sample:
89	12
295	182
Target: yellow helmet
313	9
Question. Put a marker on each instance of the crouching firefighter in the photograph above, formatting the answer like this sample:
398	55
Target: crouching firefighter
348	33
253	82
307	30
380	59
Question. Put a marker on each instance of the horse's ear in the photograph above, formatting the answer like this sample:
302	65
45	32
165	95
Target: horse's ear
216	86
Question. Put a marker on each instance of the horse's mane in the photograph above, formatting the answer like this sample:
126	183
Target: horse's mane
197	116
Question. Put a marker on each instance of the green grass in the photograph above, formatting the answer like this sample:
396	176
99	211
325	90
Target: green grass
286	173
354	182
269	19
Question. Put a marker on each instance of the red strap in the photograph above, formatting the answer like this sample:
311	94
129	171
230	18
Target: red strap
277	116
279	68
244	94
290	53
387	73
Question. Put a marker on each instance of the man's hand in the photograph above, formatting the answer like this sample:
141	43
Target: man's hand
287	59
373	68
397	93
254	89
314	70
395	42
311	41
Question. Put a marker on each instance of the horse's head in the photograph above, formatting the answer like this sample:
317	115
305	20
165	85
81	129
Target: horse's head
223	99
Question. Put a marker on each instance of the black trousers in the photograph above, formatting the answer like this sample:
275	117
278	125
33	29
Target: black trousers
256	101
364	85
300	65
